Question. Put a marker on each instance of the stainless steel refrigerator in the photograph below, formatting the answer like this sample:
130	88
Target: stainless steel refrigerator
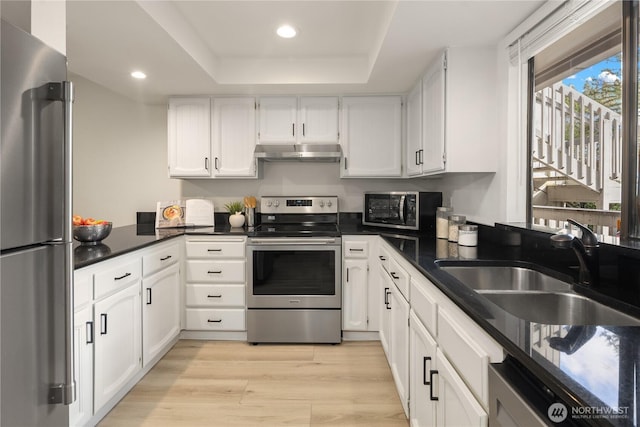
36	267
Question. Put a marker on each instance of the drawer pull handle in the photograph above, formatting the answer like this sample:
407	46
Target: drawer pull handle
382	258
393	275
214	321
214	250
214	296
148	296
424	370
89	339
356	250
431	374
214	272
122	277
103	323
165	258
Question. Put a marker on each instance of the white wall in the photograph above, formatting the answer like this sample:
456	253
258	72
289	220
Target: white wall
120	155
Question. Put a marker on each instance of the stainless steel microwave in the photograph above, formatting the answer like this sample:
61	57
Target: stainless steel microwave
410	210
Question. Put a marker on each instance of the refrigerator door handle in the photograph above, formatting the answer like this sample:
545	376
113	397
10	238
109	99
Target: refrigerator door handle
66	393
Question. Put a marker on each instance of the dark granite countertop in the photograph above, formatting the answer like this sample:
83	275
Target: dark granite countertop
601	373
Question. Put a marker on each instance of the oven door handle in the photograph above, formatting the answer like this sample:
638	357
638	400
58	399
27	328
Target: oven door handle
292	241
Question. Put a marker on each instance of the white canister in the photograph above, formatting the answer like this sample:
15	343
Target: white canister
468	235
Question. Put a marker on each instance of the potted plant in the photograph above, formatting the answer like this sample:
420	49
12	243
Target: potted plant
236	219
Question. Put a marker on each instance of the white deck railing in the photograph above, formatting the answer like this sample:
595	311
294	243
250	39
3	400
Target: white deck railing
576	136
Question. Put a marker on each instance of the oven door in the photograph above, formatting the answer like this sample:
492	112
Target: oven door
294	273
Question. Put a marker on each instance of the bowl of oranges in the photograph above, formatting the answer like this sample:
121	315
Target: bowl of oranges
90	231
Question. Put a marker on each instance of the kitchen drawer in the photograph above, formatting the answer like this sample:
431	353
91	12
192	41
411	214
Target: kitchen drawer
216	249
424	304
159	258
117	274
400	277
82	287
356	249
469	358
216	319
215	295
223	271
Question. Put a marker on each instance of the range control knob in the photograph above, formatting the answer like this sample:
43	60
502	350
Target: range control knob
276	203
329	203
321	203
269	203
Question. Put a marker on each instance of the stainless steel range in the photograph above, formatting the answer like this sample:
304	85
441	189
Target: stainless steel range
294	291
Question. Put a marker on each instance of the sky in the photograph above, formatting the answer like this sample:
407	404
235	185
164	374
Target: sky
596	71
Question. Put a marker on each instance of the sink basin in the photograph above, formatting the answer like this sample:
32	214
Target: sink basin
559	309
505	278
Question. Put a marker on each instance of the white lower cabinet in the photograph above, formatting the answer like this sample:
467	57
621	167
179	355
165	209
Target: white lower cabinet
81	411
385	310
160	311
422	365
399	342
117	342
355	295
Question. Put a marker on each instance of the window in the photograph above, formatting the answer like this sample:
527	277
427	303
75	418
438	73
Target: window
576	127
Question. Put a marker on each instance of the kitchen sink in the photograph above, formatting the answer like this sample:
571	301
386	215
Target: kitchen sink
555	308
505	278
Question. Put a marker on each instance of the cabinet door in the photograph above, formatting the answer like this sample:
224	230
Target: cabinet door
160	311
277	117
318	119
233	137
456	404
400	345
189	137
422	360
371	136
433	117
414	131
385	311
81	411
117	342
355	295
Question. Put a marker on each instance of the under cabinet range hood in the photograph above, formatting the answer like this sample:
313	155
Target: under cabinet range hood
298	152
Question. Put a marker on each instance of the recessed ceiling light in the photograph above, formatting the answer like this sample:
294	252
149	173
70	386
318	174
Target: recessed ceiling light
138	75
286	31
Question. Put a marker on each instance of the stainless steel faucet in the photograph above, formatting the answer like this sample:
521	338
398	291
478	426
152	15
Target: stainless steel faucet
586	249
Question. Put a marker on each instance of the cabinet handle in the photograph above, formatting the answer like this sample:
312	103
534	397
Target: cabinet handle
215	164
303	130
386	298
122	277
103	323
431	374
345	163
417	157
206	163
214	321
382	258
347	275
393	275
165	258
148	296
89	326
214	250
421	151
214	296
356	250
214	272
293	129
424	370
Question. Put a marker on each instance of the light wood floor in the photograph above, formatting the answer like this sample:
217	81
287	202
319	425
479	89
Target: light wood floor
213	383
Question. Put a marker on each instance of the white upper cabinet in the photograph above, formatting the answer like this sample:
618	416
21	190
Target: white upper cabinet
189	127
371	136
414	131
233	137
318	117
293	120
277	117
212	138
458	102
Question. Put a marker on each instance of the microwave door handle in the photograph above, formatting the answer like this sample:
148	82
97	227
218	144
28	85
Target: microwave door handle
403	201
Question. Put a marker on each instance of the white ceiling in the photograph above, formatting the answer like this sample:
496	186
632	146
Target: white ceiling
230	47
